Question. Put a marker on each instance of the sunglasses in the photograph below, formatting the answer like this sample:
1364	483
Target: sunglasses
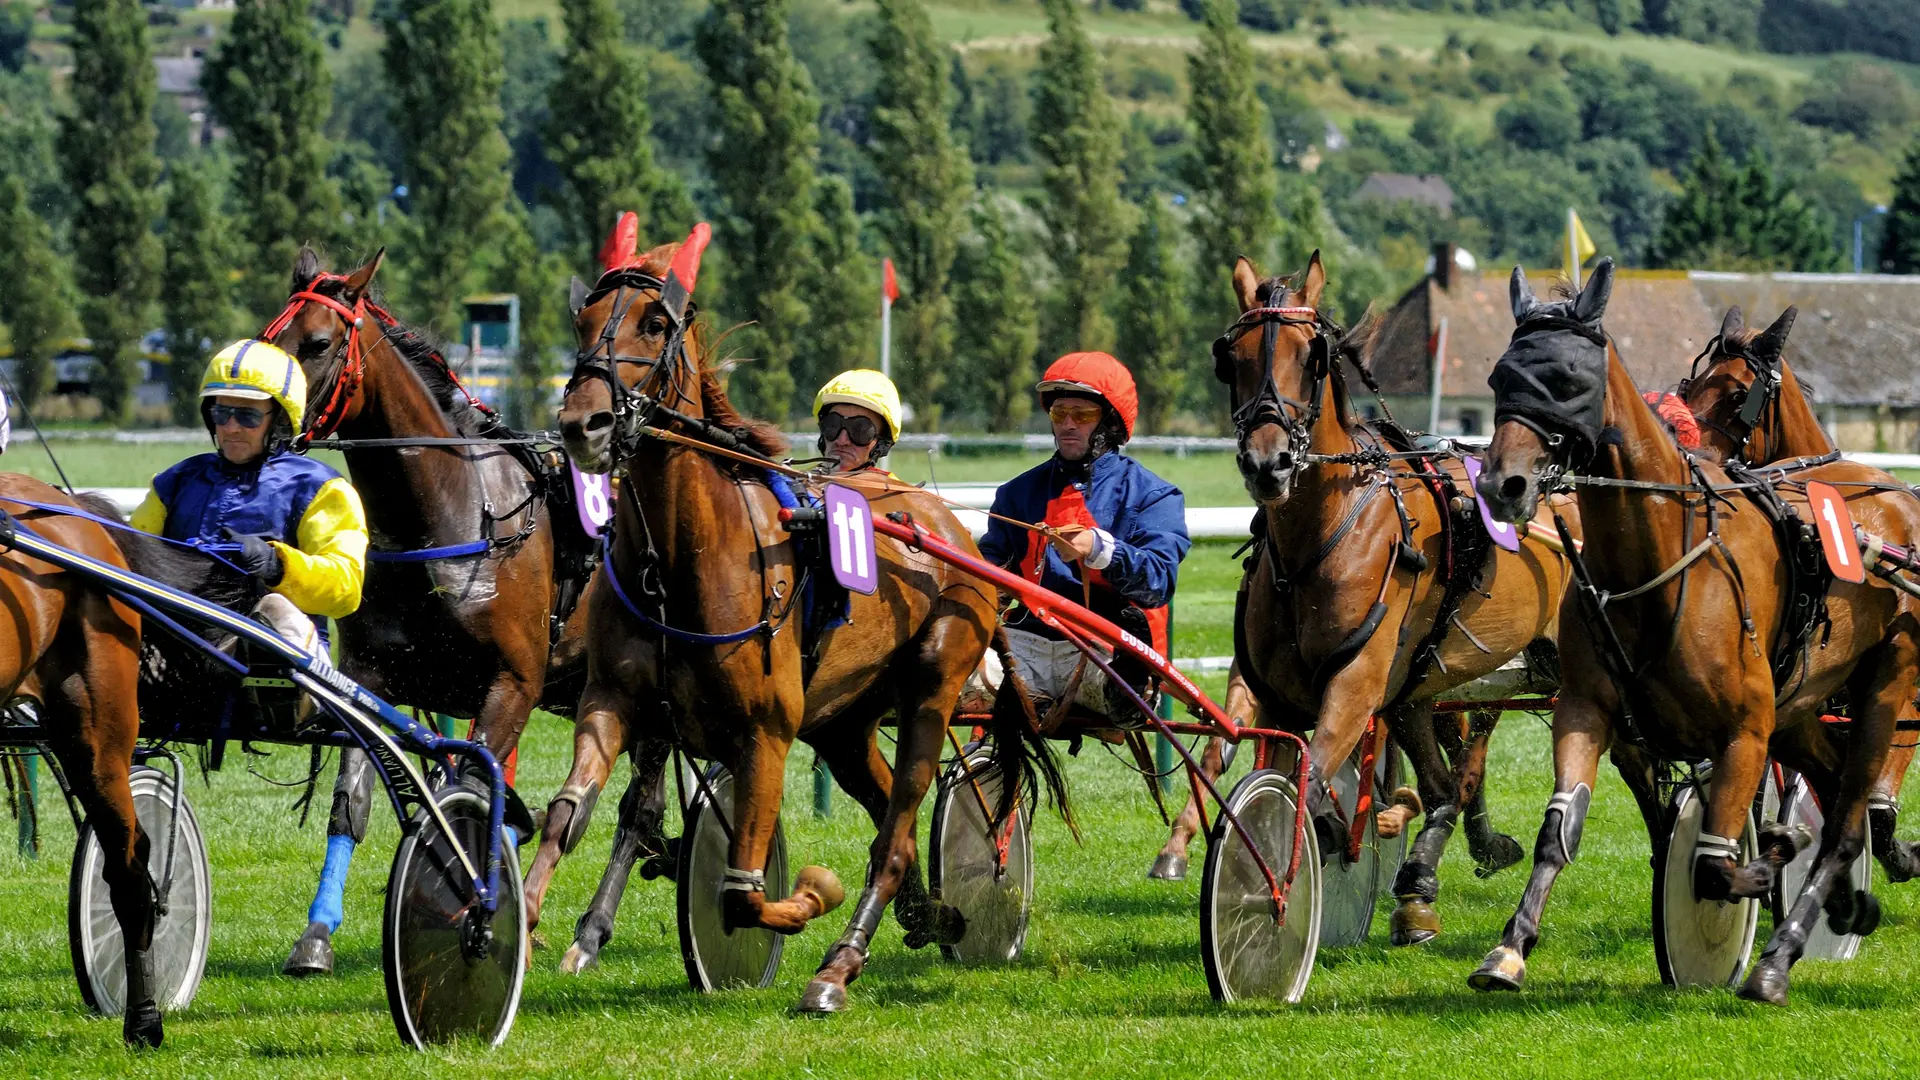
861	430
239	414
1075	414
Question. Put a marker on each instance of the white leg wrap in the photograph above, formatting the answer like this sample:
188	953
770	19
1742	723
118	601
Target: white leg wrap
1716	847
744	881
1883	802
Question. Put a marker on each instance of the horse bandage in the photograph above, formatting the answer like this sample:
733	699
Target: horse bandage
1573	817
749	881
1709	846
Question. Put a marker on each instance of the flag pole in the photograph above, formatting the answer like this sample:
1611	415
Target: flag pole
1573	251
886	328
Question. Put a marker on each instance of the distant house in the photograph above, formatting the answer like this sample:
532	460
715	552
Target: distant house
179	78
1855	347
1404	187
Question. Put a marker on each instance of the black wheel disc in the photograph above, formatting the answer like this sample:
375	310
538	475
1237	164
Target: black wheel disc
1246	953
180	935
964	868
452	972
717	958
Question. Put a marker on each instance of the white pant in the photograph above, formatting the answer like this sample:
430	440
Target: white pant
283	618
1046	666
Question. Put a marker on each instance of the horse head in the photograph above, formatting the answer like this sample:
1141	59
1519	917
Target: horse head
1735	380
322	327
1549	392
1275	362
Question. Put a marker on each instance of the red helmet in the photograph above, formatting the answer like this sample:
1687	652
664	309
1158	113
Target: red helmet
1094	375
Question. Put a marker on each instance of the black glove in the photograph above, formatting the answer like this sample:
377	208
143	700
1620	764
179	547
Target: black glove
256	557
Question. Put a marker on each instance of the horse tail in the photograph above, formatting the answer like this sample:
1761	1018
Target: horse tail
1020	753
170	564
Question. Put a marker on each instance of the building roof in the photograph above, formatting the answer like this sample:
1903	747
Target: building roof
177	74
1857	340
1427	190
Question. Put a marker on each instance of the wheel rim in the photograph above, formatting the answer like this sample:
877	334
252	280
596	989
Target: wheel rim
1699	942
964	870
1800	808
180	937
1245	953
1348	889
437	991
718	959
1392	853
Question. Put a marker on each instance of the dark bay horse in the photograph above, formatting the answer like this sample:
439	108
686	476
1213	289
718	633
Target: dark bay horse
1700	600
462	610
1751	408
696	640
1339	617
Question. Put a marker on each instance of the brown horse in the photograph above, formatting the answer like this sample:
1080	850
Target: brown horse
1339	619
699	549
1751	408
1692	674
73	648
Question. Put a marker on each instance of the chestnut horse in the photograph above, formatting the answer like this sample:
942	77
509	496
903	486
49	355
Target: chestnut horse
1751	408
1680	659
698	555
1338	605
70	646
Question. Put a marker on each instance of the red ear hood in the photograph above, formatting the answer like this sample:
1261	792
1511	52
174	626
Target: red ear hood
621	243
686	261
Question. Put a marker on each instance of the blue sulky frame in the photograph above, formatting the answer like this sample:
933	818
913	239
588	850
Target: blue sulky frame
384	732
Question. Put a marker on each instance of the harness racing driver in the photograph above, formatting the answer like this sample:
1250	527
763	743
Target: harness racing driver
859	414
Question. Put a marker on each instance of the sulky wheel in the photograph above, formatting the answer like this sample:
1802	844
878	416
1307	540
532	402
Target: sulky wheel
967	870
718	958
1350	890
452	972
177	862
1800	807
1698	942
1246	953
1390	772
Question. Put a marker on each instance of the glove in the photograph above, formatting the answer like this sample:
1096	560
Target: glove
256	556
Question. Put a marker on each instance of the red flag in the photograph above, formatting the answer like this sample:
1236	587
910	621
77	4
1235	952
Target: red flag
621	243
889	287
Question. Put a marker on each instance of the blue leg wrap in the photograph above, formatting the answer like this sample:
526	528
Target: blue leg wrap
329	902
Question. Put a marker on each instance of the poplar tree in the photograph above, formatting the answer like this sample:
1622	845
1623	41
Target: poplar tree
842	289
540	282
998	322
1231	169
600	134
444	64
1153	318
194	294
269	87
1077	135
1900	244
763	165
927	178
37	304
106	152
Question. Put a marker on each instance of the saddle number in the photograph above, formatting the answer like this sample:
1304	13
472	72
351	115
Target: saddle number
592	499
1503	532
1836	532
850	540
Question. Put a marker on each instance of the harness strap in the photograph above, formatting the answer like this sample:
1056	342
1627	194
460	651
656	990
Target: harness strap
651	623
449	551
1665	576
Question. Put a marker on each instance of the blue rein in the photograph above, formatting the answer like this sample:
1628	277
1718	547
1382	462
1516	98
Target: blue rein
448	551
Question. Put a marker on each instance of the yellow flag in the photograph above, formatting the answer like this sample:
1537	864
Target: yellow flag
1579	245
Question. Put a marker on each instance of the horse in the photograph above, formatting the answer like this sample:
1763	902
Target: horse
695	637
1686	669
469	607
1345	541
1750	406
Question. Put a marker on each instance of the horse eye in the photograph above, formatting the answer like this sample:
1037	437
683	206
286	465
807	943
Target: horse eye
314	347
655	326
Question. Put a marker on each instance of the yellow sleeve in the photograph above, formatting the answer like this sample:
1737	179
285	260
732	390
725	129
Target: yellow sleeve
151	515
323	575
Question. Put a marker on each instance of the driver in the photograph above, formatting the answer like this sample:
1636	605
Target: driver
297	528
1119	531
859	414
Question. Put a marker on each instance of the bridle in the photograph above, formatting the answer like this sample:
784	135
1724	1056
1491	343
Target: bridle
1268	405
1754	397
351	366
636	407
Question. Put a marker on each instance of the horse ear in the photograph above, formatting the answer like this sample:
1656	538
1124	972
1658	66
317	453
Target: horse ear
1523	301
576	295
1770	344
1592	301
358	281
1246	284
306	267
1314	281
1735	320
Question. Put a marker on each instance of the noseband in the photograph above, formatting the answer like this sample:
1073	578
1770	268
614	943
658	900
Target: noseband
634	407
1269	405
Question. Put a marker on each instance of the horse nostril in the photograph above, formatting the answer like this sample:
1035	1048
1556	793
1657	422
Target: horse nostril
1513	487
1282	462
598	423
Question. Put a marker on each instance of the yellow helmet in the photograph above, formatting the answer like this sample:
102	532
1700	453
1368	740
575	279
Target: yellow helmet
866	388
258	370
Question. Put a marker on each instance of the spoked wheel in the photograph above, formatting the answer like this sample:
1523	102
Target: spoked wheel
1800	808
1246	953
1698	942
966	867
177	862
452	972
718	958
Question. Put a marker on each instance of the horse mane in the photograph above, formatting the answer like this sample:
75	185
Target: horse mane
1741	338
762	435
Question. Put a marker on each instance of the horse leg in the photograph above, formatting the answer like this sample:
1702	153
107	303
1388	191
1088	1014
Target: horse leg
1492	851
759	780
599	736
1417	885
1581	731
1171	863
346	826
638	833
1899	858
1882	690
1737	772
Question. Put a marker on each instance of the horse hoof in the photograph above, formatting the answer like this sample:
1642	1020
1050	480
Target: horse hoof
312	954
1414	922
823	885
578	959
1500	852
822	998
1503	969
1169	868
1863	919
1765	985
141	1027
